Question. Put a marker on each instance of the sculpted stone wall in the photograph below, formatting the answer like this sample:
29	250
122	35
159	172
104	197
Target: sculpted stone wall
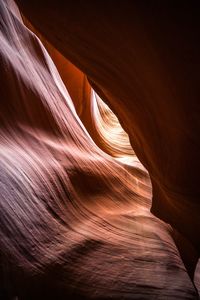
143	59
75	222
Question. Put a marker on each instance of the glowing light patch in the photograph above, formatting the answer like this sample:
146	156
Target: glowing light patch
115	139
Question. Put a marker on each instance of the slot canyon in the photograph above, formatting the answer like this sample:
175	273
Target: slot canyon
99	150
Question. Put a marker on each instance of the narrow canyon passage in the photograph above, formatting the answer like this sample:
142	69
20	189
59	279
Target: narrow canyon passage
75	219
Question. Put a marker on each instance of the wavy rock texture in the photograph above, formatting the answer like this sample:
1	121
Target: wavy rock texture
143	59
75	222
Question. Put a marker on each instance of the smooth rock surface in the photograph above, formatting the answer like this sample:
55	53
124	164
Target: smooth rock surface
74	222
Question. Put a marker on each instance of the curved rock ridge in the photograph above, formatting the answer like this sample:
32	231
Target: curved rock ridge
143	60
74	222
109	129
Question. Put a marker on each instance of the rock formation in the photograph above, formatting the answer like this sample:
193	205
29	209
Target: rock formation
75	219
